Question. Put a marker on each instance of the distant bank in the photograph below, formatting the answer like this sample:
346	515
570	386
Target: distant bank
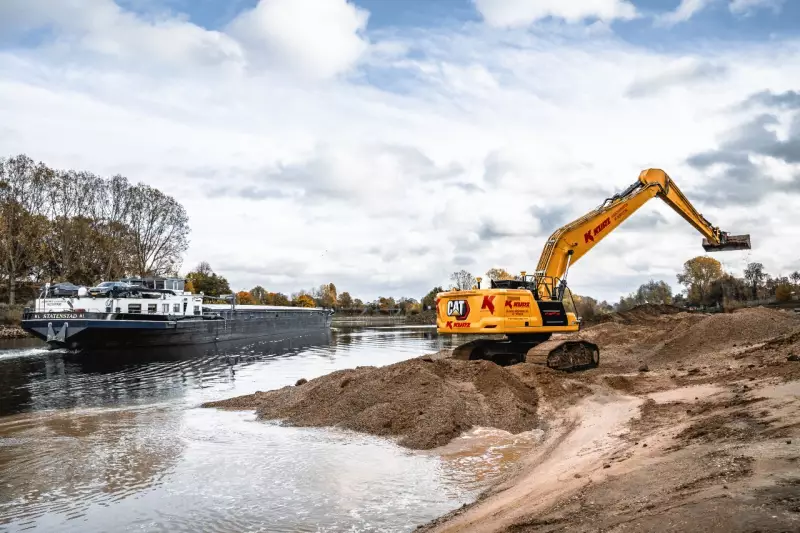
425	318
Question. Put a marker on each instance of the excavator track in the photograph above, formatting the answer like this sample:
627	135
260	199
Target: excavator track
573	354
565	355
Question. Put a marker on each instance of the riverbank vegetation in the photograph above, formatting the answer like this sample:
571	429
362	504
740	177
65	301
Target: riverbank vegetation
66	225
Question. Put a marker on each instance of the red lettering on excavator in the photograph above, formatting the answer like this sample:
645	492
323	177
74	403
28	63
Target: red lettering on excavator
590	235
488	303
451	325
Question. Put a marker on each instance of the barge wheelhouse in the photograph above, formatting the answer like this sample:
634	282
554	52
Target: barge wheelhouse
140	312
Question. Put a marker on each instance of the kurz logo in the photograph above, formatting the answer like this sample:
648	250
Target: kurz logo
488	303
458	309
590	235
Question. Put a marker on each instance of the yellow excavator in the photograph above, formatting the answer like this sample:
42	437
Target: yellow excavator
525	312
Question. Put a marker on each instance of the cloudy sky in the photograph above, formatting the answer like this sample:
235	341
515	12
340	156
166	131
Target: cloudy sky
383	144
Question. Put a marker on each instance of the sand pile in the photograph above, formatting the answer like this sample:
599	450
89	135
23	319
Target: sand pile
424	402
641	314
727	330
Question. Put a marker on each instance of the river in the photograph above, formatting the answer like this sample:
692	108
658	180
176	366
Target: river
119	443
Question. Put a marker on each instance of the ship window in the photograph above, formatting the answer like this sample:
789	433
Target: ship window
134	308
176	308
152	308
165	309
119	310
197	309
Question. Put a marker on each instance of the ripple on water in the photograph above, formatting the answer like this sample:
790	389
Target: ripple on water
98	444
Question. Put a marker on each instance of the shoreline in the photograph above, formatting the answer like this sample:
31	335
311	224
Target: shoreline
689	417
8	332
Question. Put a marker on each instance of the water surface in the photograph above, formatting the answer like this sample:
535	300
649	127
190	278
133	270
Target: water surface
119	443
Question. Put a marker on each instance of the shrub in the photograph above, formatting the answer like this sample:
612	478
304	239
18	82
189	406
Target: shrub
783	292
10	314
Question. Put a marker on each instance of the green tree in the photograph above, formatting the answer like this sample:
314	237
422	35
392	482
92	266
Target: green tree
727	288
698	275
654	292
345	300
259	294
205	281
429	300
754	274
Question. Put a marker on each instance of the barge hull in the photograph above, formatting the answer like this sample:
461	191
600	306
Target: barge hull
98	333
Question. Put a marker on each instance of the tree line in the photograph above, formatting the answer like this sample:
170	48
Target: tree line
204	279
67	225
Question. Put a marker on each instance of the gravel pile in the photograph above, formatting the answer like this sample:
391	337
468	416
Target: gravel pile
423	402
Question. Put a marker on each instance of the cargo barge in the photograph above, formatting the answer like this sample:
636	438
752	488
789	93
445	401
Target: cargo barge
136	313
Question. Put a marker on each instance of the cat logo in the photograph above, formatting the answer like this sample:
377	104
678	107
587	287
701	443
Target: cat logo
458	309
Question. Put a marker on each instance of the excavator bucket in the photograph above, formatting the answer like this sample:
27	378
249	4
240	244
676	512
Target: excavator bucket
732	242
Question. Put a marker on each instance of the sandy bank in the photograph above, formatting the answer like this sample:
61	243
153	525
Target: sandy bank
707	440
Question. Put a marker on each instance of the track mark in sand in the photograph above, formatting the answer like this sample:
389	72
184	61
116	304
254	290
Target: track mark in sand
590	433
686	394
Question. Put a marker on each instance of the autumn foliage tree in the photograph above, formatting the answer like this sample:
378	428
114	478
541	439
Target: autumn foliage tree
304	300
245	298
697	276
499	274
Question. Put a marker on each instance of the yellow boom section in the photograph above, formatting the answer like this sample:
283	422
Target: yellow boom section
570	242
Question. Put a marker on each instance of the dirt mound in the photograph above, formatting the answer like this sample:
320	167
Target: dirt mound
646	313
725	331
641	314
424	402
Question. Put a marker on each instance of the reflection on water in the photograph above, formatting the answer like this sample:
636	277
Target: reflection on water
118	442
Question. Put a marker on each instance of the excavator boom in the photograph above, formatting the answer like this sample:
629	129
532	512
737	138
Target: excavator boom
529	309
570	242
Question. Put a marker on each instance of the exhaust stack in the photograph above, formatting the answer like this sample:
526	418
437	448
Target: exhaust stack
729	243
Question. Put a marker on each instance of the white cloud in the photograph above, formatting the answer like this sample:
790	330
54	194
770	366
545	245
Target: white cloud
512	13
471	150
685	10
745	7
320	38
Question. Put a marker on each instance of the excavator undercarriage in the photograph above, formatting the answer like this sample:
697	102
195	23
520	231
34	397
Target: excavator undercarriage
559	354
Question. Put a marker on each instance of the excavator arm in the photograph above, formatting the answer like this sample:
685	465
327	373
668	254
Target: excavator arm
570	242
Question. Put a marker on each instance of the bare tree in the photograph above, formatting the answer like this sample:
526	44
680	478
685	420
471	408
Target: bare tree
159	231
111	210
71	200
463	280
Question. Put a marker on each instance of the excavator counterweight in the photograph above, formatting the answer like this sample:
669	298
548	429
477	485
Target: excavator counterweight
526	311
